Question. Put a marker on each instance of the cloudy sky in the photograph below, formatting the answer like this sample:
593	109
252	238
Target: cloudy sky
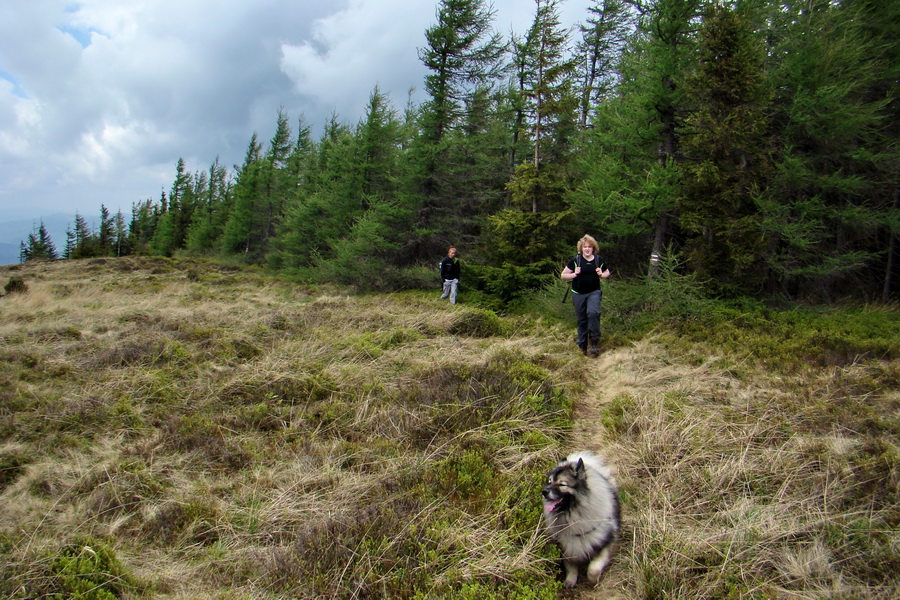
100	98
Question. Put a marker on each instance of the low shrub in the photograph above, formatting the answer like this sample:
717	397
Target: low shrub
477	322
15	285
89	570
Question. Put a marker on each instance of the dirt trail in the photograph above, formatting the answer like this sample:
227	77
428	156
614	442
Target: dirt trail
640	370
613	373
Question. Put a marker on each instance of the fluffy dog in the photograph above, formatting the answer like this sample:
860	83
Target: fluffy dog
581	508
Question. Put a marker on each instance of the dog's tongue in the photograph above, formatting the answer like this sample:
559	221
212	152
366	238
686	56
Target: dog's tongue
549	506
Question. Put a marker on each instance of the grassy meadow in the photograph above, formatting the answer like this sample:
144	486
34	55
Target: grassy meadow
183	429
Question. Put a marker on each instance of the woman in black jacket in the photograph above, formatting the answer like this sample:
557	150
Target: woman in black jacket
585	272
450	274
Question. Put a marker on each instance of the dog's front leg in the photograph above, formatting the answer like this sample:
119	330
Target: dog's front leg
596	566
571	573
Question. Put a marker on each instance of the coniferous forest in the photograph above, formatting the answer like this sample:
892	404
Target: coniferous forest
751	144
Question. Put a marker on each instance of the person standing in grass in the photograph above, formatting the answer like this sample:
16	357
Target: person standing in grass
450	275
585	272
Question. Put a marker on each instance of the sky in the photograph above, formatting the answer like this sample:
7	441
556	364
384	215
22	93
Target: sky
100	98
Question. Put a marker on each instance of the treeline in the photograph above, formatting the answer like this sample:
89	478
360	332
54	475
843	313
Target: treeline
753	143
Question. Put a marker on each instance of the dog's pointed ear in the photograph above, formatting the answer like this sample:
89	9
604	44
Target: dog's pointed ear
579	468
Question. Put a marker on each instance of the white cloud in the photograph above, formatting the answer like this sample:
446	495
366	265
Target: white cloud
371	42
99	98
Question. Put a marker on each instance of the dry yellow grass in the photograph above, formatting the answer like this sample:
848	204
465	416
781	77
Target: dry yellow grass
230	435
730	492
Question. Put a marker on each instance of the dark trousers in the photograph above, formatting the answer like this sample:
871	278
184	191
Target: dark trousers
587	313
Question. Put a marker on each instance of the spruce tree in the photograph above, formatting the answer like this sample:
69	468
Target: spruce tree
550	91
176	216
106	234
630	166
121	245
85	241
464	57
213	208
524	237
834	212
237	234
322	208
727	150
38	246
144	218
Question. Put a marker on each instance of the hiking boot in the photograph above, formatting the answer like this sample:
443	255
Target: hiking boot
583	347
595	346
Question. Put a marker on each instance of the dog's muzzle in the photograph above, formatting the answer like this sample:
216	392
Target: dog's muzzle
552	498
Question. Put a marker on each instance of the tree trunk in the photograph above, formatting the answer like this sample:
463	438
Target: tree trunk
659	238
891	251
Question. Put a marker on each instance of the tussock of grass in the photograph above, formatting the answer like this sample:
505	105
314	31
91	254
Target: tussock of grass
741	488
229	435
210	432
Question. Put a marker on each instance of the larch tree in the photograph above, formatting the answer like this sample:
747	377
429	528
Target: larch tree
599	51
463	54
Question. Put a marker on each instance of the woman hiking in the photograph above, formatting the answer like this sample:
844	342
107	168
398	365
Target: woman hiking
585	271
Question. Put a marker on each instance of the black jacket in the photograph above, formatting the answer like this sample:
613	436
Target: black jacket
449	268
587	281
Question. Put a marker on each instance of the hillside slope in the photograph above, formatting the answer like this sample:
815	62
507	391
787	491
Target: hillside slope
180	429
742	483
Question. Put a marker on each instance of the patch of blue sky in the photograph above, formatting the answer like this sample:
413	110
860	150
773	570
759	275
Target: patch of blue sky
82	35
16	88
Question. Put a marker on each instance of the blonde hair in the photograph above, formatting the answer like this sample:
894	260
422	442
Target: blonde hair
590	241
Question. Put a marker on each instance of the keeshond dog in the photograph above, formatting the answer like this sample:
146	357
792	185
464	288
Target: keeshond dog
581	508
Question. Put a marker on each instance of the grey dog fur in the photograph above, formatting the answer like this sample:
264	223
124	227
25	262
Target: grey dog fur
582	513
